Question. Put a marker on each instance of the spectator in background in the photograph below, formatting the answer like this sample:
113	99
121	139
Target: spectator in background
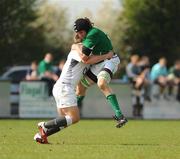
137	71
144	64
133	63
174	79
159	74
60	67
32	74
45	70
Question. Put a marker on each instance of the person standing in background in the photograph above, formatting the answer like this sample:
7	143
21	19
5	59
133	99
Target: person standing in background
32	74
45	68
45	71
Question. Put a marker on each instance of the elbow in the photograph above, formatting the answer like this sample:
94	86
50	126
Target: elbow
91	62
85	61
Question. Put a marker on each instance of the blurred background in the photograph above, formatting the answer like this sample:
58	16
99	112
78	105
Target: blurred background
139	29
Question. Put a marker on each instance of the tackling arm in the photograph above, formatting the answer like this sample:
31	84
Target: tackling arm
92	59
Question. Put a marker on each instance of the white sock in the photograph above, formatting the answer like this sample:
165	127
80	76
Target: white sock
68	120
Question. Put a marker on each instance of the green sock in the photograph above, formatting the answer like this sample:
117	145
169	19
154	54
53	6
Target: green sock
79	100
114	104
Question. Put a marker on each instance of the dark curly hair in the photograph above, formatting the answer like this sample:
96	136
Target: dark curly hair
83	24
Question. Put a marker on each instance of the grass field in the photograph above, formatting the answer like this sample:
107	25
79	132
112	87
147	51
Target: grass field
96	139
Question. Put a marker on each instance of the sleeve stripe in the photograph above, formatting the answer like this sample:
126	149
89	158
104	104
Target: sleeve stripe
86	51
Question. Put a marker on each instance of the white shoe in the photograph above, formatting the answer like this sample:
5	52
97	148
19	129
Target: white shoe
38	138
42	133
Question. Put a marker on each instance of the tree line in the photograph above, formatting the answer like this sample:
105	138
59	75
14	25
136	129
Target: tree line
150	27
30	28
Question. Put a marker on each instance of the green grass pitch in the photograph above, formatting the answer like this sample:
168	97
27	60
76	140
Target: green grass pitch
96	139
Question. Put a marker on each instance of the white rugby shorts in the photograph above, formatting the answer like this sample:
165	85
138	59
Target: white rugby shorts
111	64
65	95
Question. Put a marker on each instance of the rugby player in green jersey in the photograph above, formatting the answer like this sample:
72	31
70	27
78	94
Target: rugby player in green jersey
96	42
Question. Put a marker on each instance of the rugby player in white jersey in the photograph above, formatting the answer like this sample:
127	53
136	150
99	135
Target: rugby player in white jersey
65	96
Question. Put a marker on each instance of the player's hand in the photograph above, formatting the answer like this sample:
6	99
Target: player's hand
110	55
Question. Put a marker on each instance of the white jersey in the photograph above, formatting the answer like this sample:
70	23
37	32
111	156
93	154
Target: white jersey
72	70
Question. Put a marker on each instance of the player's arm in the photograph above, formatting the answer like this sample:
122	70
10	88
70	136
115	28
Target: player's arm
87	57
86	47
85	50
79	47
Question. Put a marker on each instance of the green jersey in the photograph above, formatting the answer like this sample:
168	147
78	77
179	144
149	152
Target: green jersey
43	67
97	41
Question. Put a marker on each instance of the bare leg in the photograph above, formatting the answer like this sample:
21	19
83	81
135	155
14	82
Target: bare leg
73	112
104	87
67	116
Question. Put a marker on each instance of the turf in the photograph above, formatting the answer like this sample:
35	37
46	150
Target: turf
96	139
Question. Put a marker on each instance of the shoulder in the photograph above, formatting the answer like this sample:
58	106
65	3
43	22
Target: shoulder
93	31
129	65
41	63
156	66
73	54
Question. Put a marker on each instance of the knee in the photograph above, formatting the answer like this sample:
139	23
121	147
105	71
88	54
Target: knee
101	84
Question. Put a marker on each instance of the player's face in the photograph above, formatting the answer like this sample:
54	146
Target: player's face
33	66
177	65
81	34
163	62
